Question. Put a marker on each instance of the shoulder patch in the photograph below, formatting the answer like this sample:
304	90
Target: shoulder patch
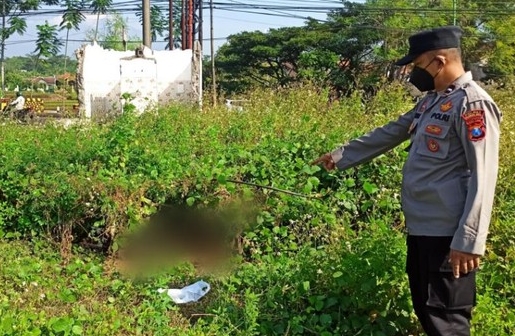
475	121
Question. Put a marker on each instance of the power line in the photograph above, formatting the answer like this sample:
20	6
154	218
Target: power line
290	8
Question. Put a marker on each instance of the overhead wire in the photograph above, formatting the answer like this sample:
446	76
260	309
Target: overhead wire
290	8
271	5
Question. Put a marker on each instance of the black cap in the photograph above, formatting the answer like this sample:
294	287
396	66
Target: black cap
434	39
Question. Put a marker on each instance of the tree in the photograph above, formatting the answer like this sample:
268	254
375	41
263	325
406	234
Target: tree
27	65
72	18
13	21
176	19
48	43
158	21
100	7
263	59
332	53
115	31
15	79
355	48
487	26
355	39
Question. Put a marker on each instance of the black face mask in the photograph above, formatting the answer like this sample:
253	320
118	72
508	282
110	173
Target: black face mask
422	79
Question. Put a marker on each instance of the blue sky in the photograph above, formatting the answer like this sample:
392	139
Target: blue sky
225	23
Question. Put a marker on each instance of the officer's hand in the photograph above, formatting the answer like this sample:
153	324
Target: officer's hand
463	262
326	160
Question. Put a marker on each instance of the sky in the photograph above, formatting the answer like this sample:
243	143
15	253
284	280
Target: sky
225	23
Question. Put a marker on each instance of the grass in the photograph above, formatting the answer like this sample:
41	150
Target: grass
332	265
42	293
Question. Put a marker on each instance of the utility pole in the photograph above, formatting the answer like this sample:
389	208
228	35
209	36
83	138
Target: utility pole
454	5
200	24
3	48
124	38
147	40
183	24
213	75
191	10
170	25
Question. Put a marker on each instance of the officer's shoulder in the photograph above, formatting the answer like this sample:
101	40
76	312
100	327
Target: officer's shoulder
474	92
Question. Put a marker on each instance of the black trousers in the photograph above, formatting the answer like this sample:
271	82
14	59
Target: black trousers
442	303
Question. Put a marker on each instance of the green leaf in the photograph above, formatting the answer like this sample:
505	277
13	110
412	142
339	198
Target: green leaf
332	301
370	188
306	285
190	201
222	179
325	319
337	274
35	332
314	181
7	324
350	182
319	304
308	187
146	200
61	325
77	330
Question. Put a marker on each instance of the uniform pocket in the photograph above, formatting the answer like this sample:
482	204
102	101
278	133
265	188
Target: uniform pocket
452	193
447	292
433	141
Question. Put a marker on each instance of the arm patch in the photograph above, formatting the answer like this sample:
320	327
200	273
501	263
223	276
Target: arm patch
475	120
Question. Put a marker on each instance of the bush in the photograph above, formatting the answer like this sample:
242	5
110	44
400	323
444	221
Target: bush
328	264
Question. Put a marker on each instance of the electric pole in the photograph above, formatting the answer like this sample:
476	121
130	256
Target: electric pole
200	25
213	75
190	24
2	56
183	24
146	24
124	38
170	25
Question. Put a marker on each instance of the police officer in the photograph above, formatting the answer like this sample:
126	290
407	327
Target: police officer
449	178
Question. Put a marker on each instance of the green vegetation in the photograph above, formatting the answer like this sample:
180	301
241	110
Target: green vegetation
330	264
113	32
356	46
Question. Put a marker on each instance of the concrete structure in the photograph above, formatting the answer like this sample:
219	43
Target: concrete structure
152	78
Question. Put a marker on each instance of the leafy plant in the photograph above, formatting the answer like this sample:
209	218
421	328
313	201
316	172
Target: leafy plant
327	262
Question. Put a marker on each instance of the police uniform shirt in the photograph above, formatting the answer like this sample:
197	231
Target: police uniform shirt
450	174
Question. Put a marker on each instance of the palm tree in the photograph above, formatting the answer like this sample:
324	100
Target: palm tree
12	20
72	18
48	43
100	7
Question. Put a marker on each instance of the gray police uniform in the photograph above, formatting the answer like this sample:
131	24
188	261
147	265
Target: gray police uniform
450	175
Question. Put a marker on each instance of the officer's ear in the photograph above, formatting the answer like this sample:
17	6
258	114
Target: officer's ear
442	59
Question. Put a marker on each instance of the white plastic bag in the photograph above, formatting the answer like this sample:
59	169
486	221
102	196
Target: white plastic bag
190	293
